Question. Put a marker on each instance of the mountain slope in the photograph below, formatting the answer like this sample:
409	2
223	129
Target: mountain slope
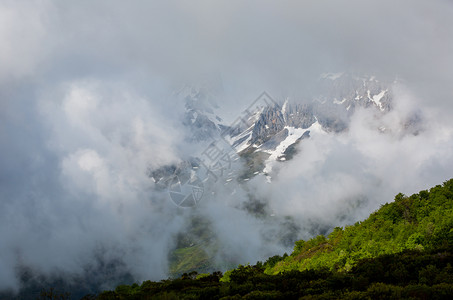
421	221
402	251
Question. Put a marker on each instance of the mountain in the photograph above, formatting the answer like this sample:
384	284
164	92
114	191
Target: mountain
266	134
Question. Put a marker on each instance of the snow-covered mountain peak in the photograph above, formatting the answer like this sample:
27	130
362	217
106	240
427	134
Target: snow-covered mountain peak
269	132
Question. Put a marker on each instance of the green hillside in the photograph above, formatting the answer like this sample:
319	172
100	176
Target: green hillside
421	221
402	251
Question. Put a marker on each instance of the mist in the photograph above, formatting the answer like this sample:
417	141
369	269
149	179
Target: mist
87	107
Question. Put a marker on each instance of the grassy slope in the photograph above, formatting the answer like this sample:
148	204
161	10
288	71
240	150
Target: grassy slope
185	260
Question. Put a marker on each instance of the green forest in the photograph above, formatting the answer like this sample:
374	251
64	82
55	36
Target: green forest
403	250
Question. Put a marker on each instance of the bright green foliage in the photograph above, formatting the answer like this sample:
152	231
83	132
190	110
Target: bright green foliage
202	275
226	276
421	221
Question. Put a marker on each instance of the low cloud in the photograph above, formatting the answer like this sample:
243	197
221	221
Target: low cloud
339	179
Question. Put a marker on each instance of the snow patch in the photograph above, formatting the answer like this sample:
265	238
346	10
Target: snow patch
377	98
194	117
285	105
293	135
335	101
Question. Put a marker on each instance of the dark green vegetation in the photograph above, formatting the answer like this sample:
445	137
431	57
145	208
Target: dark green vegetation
403	250
411	274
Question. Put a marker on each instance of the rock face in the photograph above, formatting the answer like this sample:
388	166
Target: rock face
338	97
274	119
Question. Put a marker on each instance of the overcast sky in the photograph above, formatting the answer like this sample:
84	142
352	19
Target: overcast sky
85	110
